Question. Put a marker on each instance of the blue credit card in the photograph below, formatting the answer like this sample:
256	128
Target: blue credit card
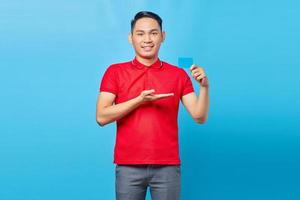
185	62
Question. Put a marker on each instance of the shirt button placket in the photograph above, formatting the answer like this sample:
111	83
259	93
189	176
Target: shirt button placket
146	83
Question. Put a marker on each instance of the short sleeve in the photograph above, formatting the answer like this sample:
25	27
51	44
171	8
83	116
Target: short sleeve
109	81
187	86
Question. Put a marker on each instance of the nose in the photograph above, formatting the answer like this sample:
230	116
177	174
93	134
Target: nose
147	38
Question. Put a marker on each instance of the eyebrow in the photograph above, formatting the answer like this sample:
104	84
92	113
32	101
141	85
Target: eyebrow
146	31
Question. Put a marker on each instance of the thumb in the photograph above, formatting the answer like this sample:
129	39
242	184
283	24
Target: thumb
147	92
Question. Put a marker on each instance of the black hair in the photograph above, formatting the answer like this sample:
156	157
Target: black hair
148	14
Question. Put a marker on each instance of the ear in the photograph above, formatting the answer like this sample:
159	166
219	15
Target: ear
163	36
130	38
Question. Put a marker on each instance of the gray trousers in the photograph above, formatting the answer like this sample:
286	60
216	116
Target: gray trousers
132	182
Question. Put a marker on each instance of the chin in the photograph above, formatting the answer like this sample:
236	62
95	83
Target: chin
147	56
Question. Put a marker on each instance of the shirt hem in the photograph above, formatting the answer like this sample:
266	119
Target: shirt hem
150	162
108	90
188	92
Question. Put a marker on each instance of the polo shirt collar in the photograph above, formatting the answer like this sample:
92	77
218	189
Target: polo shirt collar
157	65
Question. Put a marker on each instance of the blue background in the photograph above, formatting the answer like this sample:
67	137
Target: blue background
54	53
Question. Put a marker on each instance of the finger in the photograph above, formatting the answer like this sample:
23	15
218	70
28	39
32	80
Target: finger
147	92
197	70
193	67
164	95
200	77
197	74
204	81
194	72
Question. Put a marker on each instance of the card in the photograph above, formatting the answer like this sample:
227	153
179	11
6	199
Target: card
185	62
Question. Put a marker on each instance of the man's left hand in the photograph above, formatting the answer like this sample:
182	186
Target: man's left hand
199	75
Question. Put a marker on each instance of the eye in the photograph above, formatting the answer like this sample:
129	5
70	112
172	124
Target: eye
139	34
154	33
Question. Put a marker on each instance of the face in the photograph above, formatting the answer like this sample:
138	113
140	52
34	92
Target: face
146	38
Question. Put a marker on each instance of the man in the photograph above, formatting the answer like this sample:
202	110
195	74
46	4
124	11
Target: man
143	96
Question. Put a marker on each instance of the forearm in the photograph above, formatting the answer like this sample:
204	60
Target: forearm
202	105
114	112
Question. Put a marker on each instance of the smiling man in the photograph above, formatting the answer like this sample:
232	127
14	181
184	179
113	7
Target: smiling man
143	97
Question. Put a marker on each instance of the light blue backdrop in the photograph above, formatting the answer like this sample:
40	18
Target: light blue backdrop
53	55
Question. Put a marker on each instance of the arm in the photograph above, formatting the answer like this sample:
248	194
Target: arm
198	106
107	111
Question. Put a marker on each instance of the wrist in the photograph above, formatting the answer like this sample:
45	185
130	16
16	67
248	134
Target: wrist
204	87
139	99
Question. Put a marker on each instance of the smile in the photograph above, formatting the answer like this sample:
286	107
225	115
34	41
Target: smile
147	48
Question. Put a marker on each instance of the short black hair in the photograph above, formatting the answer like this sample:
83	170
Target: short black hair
148	14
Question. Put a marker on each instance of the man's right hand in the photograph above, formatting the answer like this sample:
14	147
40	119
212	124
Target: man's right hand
108	112
147	95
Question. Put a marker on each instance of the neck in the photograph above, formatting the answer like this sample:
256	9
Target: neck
146	61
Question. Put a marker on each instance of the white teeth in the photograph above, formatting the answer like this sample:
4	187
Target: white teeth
147	48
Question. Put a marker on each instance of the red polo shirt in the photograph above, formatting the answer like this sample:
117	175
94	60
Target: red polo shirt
148	134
